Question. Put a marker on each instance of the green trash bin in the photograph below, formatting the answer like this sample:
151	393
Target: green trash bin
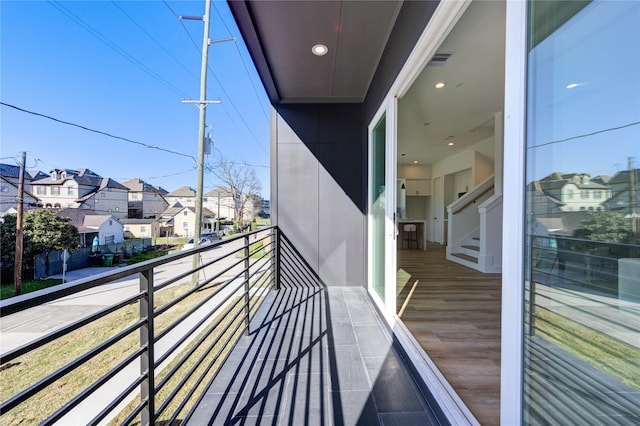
107	260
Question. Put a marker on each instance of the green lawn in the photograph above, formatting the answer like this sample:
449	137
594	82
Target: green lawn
8	290
613	357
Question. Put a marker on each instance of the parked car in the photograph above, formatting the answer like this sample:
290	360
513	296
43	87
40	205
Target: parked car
205	239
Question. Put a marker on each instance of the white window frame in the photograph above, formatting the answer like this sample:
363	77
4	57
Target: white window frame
511	379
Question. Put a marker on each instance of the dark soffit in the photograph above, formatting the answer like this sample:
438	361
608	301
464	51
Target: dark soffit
280	34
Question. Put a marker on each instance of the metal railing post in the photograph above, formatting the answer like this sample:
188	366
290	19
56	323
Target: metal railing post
246	284
146	340
275	259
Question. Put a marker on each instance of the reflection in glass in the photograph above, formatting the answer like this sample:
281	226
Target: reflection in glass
582	278
378	205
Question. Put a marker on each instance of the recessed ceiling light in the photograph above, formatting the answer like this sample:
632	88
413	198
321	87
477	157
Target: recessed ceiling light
440	85
319	50
415	161
450	144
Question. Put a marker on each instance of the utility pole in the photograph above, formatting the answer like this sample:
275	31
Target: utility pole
17	271
202	105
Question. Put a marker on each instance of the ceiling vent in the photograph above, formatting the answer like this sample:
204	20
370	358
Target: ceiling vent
439	59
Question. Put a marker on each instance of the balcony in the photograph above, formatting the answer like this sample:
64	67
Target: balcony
241	330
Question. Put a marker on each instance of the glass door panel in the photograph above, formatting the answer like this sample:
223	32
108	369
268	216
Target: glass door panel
378	206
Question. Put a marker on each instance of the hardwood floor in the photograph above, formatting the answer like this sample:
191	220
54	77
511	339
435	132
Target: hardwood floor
454	312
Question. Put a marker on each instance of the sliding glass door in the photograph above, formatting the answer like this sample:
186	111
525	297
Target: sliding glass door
382	205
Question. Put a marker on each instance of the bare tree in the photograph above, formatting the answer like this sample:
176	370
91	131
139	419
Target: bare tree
241	182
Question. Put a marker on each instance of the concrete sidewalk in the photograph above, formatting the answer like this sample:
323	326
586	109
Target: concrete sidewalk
77	274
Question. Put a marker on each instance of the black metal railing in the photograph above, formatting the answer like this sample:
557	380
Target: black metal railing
185	324
582	349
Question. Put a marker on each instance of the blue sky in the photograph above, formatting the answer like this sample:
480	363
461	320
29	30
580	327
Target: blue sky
584	94
123	68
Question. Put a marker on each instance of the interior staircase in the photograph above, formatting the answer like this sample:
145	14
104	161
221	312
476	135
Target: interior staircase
475	229
469	251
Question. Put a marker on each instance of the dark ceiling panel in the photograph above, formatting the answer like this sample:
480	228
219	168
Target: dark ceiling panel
354	31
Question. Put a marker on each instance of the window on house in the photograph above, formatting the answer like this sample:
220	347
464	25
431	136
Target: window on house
185	225
69	191
102	194
584	194
41	190
109	239
55	190
110	223
143	229
578	285
185	213
597	195
4	188
570	194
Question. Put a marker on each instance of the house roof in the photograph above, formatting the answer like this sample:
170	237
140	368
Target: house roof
558	180
10	171
625	177
185	191
280	35
136	221
81	176
138	185
552	224
37	174
76	216
224	192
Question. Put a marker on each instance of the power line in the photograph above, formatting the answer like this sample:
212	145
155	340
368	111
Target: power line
100	132
114	47
158	177
155	41
585	135
213	74
244	64
183	25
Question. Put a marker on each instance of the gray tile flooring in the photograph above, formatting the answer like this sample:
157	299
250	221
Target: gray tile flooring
316	356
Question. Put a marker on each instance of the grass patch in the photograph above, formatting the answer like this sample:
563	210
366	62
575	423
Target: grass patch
614	358
8	290
30	368
34	366
141	257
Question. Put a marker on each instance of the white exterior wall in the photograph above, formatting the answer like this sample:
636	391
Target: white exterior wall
577	203
226	206
111	227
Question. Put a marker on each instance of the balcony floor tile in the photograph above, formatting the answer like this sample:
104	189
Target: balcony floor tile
302	364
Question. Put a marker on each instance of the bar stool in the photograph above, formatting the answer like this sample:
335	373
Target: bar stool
410	234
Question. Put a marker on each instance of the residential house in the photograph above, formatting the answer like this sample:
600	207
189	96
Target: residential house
575	191
185	195
180	221
220	201
82	189
140	228
9	181
9	197
625	188
384	108
11	173
145	200
90	224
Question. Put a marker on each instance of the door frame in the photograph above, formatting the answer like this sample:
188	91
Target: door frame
387	306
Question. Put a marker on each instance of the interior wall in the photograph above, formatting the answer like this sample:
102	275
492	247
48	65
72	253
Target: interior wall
483	167
318	189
